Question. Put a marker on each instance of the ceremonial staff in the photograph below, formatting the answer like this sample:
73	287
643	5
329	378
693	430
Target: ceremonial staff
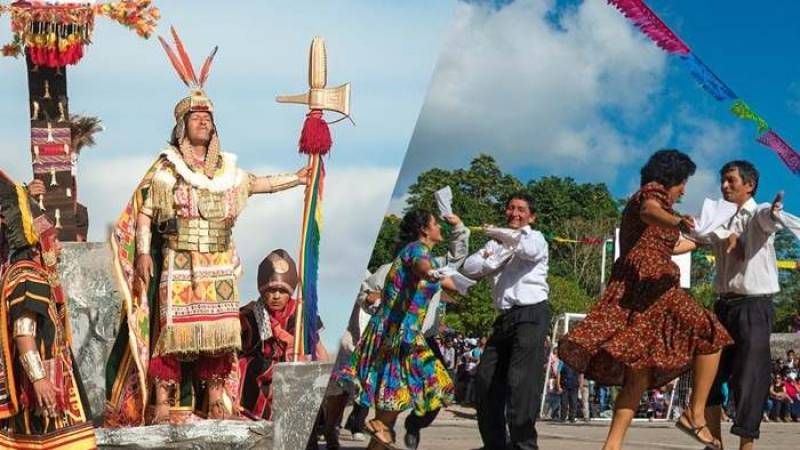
315	141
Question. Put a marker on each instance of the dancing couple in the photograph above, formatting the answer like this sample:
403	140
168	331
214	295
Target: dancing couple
645	330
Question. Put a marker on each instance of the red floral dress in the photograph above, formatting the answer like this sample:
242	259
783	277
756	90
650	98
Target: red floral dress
643	320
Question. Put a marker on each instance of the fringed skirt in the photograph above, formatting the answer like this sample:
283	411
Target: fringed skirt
198	303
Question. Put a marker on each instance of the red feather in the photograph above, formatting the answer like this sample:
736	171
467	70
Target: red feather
174	60
207	67
187	62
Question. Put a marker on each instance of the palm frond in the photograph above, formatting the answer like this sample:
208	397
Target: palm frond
83	130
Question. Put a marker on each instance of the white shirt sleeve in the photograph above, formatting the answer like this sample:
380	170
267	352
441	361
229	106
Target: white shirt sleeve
532	247
766	223
477	265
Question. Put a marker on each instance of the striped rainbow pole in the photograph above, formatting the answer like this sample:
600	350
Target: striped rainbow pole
308	261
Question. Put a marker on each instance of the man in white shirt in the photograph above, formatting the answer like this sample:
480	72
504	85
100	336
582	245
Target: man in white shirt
511	367
746	280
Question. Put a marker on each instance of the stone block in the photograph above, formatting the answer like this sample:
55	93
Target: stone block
298	390
94	308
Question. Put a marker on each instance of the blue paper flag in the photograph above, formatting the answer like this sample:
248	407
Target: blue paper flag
707	79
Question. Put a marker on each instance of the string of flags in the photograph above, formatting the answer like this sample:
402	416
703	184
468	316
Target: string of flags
651	25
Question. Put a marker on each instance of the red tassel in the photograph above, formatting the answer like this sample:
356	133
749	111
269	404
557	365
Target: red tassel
316	136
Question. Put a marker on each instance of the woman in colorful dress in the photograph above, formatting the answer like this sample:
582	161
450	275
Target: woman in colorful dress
393	365
645	330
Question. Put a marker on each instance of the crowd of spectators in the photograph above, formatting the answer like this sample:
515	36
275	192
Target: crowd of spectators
462	355
783	403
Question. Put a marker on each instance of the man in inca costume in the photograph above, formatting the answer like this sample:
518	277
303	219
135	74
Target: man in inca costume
42	401
175	354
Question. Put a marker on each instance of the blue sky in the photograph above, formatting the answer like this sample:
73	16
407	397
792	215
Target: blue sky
571	88
387	51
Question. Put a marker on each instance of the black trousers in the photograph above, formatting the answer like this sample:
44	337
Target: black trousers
780	409
569	403
511	371
356	421
745	365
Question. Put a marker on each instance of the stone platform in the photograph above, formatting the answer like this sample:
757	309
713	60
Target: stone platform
208	435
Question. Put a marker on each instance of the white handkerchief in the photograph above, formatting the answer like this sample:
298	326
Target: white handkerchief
714	214
444	200
792	223
430	315
462	283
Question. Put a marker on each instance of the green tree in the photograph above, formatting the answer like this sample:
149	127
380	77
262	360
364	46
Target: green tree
388	236
472	314
567	296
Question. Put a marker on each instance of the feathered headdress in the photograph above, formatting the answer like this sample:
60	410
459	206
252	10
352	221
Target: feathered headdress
197	101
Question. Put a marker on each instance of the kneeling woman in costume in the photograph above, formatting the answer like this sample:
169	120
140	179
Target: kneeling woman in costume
42	401
392	364
268	328
645	330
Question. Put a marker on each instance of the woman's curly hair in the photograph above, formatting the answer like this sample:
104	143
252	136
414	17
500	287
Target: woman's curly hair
668	167
411	226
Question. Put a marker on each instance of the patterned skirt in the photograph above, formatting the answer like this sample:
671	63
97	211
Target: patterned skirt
644	320
397	371
198	303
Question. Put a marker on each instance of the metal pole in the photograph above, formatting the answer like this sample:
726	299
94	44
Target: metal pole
603	265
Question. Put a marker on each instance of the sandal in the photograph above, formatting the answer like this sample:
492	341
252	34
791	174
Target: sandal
694	433
155	416
379	431
225	412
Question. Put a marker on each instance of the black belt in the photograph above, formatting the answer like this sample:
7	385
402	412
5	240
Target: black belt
734	297
518	307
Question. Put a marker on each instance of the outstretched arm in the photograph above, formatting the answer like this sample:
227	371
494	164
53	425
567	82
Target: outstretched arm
448	284
769	219
532	248
481	263
276	183
458	248
652	213
684	246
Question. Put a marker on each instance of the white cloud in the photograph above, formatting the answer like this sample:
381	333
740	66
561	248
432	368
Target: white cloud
704	184
530	92
398	204
709	142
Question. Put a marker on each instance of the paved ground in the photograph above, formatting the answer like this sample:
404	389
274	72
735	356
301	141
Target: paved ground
456	429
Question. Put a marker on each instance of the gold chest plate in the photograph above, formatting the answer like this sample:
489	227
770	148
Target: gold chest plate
211	205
